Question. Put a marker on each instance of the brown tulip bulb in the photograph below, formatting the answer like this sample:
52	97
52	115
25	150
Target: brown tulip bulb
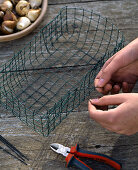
7	27
9	16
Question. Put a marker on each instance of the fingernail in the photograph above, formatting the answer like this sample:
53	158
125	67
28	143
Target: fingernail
101	82
94	100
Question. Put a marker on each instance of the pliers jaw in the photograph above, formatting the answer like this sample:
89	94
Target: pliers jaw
74	152
60	149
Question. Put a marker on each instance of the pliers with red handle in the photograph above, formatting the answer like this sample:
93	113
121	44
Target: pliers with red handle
74	152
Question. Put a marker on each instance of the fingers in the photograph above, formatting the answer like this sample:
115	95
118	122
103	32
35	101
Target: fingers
127	88
104	66
102	80
105	74
121	59
106	119
119	119
109	87
118	61
116	88
98	115
110	100
104	90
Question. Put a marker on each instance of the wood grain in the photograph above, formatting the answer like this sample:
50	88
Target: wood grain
77	127
54	2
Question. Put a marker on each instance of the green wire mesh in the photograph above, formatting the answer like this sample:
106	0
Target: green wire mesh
54	73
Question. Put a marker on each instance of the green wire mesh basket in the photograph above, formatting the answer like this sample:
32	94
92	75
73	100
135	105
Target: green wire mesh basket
53	73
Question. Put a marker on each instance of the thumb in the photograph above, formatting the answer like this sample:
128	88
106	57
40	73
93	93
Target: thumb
115	64
98	115
121	59
110	100
106	75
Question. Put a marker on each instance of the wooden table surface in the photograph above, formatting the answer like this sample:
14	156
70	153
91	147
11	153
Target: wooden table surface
77	127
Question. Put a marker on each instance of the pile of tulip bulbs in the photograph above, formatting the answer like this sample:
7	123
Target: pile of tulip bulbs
16	15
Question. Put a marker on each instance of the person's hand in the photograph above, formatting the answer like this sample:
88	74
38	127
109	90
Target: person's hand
123	119
124	78
120	71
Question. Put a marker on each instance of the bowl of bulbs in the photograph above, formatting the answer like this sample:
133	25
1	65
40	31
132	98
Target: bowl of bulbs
20	17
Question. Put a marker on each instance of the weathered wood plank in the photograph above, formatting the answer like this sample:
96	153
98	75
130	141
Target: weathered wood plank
123	14
54	2
77	128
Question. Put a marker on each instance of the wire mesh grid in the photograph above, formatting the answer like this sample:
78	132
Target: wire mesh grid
54	72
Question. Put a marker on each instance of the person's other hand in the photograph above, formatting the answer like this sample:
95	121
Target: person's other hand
123	119
120	71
